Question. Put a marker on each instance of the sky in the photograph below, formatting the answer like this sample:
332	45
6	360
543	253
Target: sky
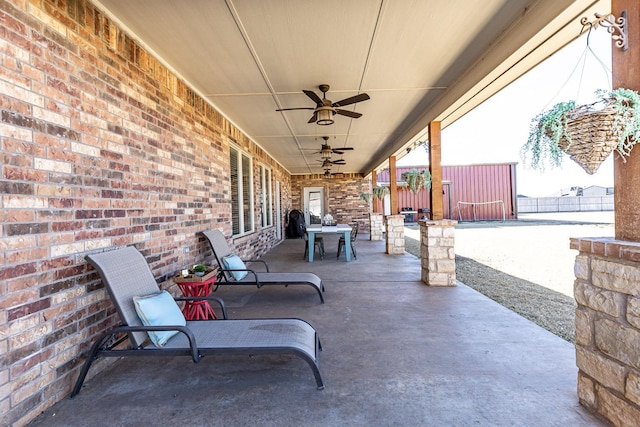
495	131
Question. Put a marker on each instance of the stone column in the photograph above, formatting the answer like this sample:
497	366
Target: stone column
437	254
607	291
376	225
395	234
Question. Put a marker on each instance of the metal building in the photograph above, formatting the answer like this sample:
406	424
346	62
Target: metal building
470	192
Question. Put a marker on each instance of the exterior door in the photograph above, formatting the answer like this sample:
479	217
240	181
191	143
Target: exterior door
446	200
313	205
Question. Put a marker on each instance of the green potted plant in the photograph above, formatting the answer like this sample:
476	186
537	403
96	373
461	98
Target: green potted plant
588	133
417	180
199	270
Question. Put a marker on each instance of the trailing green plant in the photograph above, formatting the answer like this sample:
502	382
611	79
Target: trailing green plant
366	197
626	122
545	132
380	192
549	136
417	180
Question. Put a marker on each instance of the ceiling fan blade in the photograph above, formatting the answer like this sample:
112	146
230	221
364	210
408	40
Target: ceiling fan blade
313	118
352	100
315	98
301	108
340	150
339	162
348	113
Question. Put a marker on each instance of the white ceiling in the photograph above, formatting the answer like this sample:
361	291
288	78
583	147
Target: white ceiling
419	60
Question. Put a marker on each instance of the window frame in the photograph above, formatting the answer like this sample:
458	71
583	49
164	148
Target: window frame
244	218
266	197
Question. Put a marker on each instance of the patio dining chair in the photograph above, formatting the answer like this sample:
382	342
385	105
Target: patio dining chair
154	325
342	244
235	271
318	242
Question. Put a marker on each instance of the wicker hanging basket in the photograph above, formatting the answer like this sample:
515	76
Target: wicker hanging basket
587	133
590	135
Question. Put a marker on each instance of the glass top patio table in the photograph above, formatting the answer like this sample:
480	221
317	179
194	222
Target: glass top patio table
343	229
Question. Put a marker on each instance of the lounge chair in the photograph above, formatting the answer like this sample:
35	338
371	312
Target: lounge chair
127	277
235	272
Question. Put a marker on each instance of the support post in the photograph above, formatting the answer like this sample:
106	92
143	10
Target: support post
393	185
607	272
437	252
374	183
627	174
435	168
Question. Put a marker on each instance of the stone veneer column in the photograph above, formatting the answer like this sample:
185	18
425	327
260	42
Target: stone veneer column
437	254
607	291
395	234
376	224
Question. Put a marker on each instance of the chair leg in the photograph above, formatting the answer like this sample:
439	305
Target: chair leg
306	250
340	244
353	250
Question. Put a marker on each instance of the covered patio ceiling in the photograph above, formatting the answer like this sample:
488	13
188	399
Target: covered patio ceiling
419	61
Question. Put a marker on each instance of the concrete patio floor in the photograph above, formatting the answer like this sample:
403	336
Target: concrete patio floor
396	352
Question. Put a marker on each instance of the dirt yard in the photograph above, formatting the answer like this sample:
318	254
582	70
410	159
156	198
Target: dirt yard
525	265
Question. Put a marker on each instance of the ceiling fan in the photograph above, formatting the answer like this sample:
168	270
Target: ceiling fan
326	150
326	163
325	109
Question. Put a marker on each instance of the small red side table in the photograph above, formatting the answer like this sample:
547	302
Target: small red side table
193	286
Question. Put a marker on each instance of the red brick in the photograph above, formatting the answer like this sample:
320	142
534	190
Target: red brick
585	246
12	271
26	309
57	263
630	253
27	363
22	256
20	174
613	250
15	215
23	282
66	226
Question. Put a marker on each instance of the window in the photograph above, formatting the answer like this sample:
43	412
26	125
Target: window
266	199
241	192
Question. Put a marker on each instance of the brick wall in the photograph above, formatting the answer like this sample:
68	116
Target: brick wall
342	196
607	291
101	146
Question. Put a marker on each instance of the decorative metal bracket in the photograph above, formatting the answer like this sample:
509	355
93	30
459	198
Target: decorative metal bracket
611	23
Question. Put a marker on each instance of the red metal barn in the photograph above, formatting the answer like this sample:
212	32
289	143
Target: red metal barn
470	192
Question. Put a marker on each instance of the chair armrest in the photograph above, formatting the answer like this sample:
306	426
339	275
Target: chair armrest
266	266
195	354
255	275
220	302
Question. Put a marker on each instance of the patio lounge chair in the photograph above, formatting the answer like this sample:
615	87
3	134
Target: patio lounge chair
127	277
237	273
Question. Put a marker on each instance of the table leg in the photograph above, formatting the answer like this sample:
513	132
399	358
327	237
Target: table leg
311	237
347	246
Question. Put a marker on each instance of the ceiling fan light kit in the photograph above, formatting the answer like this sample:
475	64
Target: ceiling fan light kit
324	116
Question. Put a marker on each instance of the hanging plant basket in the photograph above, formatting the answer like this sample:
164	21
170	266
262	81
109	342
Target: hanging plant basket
380	192
587	133
590	135
417	180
